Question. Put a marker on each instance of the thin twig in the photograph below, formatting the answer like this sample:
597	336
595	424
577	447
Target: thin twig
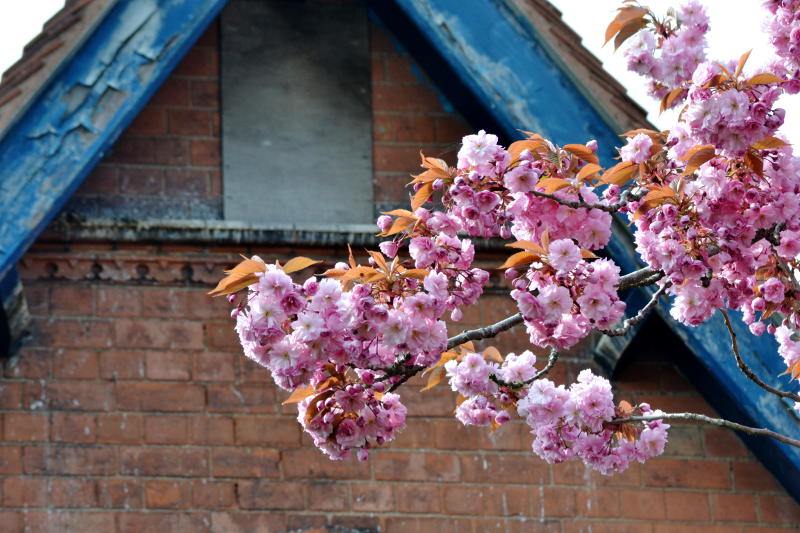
639	278
626	197
486	332
551	361
721	422
630	322
746	369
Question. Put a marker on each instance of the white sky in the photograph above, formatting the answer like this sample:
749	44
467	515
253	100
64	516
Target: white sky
735	28
20	23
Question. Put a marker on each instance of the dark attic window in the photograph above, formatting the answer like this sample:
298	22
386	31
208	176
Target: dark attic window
296	112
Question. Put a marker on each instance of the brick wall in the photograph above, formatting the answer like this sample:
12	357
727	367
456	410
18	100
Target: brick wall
132	409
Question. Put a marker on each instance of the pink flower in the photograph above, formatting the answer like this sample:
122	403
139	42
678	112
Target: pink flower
772	290
348	434
555	301
563	255
638	148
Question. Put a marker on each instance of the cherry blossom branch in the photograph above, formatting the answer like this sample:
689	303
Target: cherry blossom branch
551	362
746	370
625	198
485	332
721	422
643	312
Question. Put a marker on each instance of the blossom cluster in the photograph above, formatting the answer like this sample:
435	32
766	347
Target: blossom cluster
576	422
783	29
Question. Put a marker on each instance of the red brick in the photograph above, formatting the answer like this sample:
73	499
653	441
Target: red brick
372	497
118	302
70	492
102	180
239	522
272	432
688	474
168	365
166	494
404	98
71	300
205	153
25	492
311	464
779	509
60	520
643	504
216	430
265	494
84	460
122	364
200	61
77	334
463	499
164	461
75	364
25	427
150	121
508	501
119	429
598	503
10	395
205	93
723	443
119	493
10	460
248	462
75	396
150	151
427	525
166	429
399	70
182	182
685	440
503	468
174	92
213	494
393	158
751	475
160	397
214	366
391	188
73	427
451	129
597	526
328	496
397	466
158	334
194	522
192	122
221	336
557	501
418	498
144	181
734	507
12	520
687	506
241	398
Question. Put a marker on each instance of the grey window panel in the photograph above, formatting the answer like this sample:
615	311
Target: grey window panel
296	112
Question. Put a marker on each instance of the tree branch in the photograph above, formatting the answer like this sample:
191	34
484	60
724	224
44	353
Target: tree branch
721	422
629	323
486	332
746	370
625	197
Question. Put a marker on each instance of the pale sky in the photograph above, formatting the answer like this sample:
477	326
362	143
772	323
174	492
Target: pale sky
735	28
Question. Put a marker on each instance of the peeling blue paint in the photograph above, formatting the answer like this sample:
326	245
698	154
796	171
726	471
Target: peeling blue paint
85	107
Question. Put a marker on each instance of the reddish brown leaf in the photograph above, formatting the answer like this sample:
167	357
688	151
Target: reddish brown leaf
742	61
625	15
588	170
239	277
298	263
629	30
299	394
764	79
551	185
582	152
696	156
620	173
527	245
669	98
421	196
434	378
520	258
755	162
492	354
770	143
416	273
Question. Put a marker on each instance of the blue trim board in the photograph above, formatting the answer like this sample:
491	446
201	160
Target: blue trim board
85	107
499	70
